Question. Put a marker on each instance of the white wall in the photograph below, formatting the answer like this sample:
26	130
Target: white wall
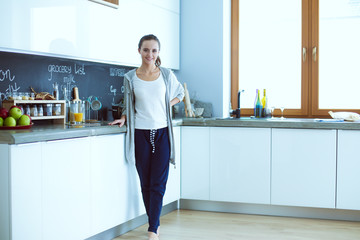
205	51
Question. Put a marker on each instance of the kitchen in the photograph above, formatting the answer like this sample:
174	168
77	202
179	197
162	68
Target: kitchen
197	40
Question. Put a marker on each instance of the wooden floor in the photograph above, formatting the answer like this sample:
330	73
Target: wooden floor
188	225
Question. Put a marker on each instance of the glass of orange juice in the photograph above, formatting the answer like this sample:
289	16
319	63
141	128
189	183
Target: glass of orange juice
76	113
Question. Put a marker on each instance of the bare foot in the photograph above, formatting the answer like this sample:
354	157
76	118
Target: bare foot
152	236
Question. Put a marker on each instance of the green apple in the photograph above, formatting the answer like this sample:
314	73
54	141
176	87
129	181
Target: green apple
1	121
10	122
24	120
15	112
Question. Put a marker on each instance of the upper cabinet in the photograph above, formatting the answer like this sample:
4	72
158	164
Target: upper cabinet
86	29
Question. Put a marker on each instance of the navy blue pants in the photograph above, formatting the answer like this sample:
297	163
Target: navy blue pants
152	154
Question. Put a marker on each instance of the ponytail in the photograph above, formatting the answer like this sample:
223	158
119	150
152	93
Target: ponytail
158	62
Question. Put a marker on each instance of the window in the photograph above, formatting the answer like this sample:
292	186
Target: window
306	53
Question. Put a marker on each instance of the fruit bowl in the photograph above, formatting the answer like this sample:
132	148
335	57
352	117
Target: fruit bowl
16	127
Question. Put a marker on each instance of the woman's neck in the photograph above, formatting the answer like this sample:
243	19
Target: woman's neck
147	68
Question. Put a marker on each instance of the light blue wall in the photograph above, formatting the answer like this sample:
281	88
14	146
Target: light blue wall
202	51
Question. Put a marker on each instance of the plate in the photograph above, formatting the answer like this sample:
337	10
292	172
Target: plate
16	127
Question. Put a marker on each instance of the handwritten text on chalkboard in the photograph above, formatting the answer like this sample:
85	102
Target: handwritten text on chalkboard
117	72
63	69
6	74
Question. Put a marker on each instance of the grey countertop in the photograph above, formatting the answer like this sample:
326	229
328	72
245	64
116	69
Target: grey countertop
271	123
56	132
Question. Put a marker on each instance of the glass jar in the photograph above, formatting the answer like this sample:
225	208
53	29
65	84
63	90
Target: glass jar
27	110
48	109
32	96
33	111
40	110
56	110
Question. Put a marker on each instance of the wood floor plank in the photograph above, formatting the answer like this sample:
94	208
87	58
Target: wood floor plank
191	225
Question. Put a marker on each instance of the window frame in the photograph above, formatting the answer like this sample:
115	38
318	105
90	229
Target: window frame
309	67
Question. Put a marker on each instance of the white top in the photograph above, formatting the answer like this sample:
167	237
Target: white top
150	107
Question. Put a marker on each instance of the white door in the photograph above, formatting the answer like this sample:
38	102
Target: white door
66	189
240	164
195	163
348	168
26	202
303	167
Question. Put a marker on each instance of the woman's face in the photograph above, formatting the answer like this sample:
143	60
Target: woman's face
149	51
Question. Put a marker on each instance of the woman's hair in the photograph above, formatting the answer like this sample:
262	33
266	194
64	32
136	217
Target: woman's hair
151	37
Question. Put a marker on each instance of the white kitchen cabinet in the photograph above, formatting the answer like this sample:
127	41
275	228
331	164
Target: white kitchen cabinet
195	163
303	167
348	165
108	198
115	187
240	164
85	29
136	12
172	192
26	191
66	189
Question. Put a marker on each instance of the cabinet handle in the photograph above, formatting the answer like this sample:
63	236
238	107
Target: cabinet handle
314	54
304	54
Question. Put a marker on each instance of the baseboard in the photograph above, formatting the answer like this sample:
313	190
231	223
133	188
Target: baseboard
271	210
132	224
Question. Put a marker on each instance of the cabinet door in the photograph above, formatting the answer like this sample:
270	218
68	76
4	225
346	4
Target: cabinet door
240	164
108	191
348	177
66	189
195	163
303	167
172	192
167	29
26	202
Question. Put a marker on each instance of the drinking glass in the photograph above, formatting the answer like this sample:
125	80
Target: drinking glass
272	111
282	112
76	113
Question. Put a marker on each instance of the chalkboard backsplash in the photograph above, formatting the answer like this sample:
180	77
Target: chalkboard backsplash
19	72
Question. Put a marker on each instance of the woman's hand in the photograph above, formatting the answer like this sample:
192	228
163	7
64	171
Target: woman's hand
120	121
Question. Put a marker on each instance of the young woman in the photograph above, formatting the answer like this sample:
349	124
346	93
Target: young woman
150	91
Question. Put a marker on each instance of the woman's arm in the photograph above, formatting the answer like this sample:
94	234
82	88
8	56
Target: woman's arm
174	101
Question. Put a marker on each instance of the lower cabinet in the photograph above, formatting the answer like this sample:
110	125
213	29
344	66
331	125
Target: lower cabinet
195	172
303	169
348	168
240	164
108	170
72	189
26	192
66	189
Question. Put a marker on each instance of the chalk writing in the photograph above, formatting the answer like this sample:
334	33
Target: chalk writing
6	75
80	70
58	69
113	90
117	72
69	84
12	88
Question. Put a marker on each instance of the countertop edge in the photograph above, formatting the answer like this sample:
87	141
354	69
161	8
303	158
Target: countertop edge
59	132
